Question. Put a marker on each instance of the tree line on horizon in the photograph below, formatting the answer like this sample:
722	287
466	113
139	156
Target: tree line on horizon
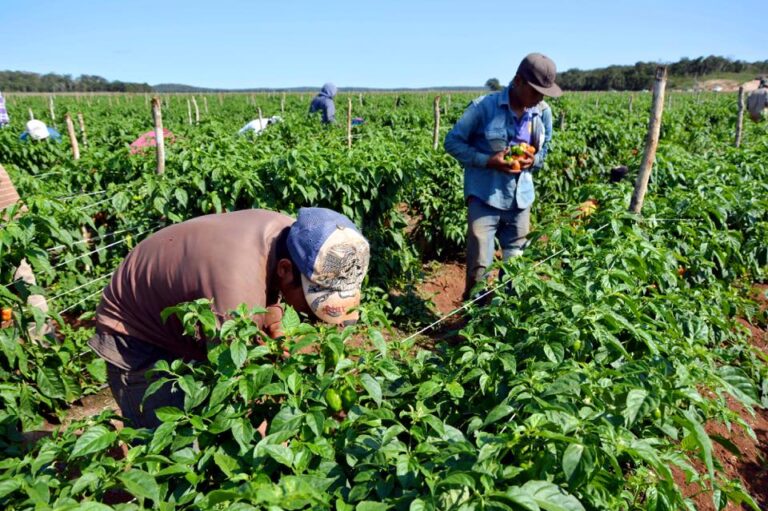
641	75
633	77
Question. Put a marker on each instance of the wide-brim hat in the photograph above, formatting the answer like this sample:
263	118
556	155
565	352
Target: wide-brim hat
332	256
540	73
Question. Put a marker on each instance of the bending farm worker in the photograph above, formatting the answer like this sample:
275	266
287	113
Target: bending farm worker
316	264
324	104
37	130
757	102
498	188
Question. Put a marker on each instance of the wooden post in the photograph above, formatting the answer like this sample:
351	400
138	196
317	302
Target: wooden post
449	101
50	108
349	123
72	136
110	99
31	115
261	119
82	129
157	115
221	100
282	104
197	110
189	111
205	104
436	132
651	142
631	99
360	98
561	121
740	118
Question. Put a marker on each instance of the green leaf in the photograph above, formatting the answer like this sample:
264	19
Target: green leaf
141	484
95	439
238	352
636	400
571	459
551	497
279	453
372	387
49	382
369	505
169	413
699	435
498	413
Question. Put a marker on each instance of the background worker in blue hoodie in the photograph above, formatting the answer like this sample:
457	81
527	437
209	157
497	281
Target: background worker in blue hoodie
499	192
323	103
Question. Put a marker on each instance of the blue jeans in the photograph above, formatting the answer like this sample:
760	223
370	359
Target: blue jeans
485	223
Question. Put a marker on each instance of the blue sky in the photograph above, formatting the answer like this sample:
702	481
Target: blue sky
392	43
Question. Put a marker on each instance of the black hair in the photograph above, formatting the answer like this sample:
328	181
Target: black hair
282	252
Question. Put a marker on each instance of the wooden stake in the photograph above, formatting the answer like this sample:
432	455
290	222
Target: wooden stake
189	111
50	108
197	110
360	98
261	120
205	104
282	104
82	129
72	137
436	131
631	99
349	123
561	121
221	100
740	118
157	115
651	142
31	115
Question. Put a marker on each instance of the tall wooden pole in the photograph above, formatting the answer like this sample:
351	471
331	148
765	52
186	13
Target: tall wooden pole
261	119
31	115
72	137
82	129
50	108
157	115
205	104
349	123
282	104
651	142
189	111
436	131
740	118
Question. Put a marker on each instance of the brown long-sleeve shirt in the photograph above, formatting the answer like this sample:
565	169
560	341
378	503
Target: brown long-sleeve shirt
228	258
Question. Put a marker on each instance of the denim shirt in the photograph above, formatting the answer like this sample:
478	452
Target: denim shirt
487	127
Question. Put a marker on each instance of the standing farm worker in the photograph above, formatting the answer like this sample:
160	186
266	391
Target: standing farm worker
500	142
316	264
37	130
4	119
324	104
757	102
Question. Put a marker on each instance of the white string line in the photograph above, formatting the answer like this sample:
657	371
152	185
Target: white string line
81	301
81	195
118	242
94	204
72	290
504	282
107	235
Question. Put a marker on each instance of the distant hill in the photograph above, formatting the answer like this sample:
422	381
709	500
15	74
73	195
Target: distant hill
177	87
684	74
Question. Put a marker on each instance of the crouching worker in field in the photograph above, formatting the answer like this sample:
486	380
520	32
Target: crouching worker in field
37	130
316	264
500	140
324	104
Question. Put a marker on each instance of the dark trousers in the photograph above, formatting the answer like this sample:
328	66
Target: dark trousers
128	388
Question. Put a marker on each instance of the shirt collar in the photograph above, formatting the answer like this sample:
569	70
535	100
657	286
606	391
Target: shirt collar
504	101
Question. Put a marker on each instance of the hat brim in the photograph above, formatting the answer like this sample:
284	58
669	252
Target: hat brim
553	91
330	305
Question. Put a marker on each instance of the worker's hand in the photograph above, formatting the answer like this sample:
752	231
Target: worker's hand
273	326
497	162
526	161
